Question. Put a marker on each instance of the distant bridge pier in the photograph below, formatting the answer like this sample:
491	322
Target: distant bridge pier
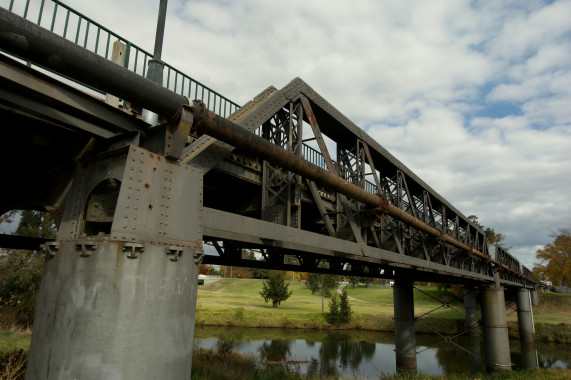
471	308
473	327
118	293
534	297
405	338
525	316
496	339
528	354
524	303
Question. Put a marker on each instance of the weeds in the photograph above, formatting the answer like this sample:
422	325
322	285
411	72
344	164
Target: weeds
13	365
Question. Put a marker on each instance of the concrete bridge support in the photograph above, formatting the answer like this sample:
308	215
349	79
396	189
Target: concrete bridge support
529	354
405	338
534	297
496	339
471	308
525	316
118	293
473	327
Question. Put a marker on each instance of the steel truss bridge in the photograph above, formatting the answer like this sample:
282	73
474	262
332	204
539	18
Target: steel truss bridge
286	175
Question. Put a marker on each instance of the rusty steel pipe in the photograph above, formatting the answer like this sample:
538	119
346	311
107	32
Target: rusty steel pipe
207	122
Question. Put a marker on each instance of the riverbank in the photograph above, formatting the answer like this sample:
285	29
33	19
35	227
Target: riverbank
234	302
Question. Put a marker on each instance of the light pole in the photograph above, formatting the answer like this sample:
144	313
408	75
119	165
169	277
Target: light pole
155	72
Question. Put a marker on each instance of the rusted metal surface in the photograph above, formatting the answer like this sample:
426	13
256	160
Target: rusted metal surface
209	123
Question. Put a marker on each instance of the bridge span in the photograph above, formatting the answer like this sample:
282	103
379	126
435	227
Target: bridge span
286	175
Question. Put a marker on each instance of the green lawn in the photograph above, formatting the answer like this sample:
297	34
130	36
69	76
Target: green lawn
233	302
15	340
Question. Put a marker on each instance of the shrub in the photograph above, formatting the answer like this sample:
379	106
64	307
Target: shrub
339	310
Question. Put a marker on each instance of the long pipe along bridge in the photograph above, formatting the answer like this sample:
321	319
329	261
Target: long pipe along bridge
286	175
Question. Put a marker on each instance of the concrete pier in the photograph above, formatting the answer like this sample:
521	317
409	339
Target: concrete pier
471	308
529	354
525	316
496	339
405	338
534	297
118	293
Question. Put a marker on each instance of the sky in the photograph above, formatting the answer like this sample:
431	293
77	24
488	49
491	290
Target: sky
473	96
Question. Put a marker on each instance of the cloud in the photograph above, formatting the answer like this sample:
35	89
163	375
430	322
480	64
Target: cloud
472	96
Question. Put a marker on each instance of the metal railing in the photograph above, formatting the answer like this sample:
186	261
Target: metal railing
70	24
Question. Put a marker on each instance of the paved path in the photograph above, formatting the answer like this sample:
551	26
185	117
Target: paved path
340	291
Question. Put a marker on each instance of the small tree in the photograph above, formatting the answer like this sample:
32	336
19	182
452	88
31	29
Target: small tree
275	289
344	308
322	284
339	310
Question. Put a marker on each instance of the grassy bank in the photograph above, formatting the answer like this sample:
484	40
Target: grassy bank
232	302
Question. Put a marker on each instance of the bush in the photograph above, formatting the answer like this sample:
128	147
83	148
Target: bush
339	310
275	289
20	275
13	365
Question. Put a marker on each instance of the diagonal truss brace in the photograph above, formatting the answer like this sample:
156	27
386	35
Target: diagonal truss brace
329	162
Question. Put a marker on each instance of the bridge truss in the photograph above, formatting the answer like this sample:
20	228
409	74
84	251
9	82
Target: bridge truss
295	222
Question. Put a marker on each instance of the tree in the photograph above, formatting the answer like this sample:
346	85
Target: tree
322	284
275	289
21	271
339	310
556	259
203	269
492	237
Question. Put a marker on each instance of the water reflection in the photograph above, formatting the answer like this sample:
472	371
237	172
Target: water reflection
368	354
275	350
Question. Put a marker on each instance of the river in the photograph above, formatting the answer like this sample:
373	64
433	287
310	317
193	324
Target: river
366	354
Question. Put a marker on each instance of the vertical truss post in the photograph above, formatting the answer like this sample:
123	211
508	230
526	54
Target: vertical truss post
295	144
471	308
118	295
276	182
405	338
496	339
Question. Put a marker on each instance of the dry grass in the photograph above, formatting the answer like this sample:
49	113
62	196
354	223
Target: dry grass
13	365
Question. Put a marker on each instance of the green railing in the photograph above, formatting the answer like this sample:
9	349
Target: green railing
70	24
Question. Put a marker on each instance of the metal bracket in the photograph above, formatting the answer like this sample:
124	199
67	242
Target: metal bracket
50	248
198	257
86	248
176	134
174	252
133	250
